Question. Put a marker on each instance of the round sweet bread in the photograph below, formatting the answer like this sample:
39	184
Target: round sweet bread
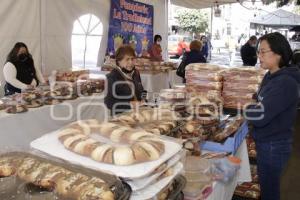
128	146
35	103
13	109
7	170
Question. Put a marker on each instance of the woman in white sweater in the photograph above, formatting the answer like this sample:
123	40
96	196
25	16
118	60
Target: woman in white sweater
19	70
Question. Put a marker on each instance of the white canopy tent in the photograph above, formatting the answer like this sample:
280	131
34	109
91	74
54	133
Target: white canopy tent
46	27
279	18
199	4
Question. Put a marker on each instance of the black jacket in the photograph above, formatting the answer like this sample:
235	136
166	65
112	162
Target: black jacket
279	96
120	91
193	56
25	73
248	54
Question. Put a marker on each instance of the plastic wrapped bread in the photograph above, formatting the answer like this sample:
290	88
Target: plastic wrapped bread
204	79
67	181
239	86
203	67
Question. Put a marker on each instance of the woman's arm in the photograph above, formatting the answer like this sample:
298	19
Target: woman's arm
10	76
39	74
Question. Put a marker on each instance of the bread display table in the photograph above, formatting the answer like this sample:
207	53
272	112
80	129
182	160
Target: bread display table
153	82
174	79
225	191
18	130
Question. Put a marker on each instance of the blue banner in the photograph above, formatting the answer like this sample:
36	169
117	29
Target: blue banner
131	23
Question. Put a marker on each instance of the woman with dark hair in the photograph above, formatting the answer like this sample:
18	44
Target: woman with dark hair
205	46
274	114
19	70
156	51
124	82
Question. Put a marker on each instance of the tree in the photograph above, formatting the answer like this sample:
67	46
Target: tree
192	20
296	10
279	3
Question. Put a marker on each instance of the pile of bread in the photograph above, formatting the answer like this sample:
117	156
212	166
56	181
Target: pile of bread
173	95
70	76
230	128
142	64
65	183
239	86
204	79
123	145
158	121
235	86
32	99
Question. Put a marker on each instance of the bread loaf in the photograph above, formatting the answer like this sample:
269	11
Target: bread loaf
118	155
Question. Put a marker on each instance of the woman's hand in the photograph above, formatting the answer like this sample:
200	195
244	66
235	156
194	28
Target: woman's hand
29	87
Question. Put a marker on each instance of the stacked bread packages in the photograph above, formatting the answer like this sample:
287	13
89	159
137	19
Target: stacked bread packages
142	64
204	79
240	84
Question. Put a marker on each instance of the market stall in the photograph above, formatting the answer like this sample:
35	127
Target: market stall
69	147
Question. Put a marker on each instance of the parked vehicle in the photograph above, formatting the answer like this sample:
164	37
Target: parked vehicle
178	44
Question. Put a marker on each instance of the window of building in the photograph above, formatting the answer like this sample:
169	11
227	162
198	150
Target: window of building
86	38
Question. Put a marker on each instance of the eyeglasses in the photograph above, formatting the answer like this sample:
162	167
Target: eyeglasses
261	52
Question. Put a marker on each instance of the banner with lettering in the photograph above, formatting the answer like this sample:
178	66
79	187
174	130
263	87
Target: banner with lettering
131	23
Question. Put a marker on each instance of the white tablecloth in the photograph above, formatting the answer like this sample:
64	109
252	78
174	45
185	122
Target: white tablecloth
225	191
18	130
174	79
153	83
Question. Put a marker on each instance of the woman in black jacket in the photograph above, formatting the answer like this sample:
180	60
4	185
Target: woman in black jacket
19	70
194	56
124	82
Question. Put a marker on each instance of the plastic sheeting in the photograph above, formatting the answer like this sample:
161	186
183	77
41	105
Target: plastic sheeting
198	4
278	18
46	27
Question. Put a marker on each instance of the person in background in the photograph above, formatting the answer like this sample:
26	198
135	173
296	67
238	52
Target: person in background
205	46
124	82
274	113
19	70
193	56
232	50
296	58
248	52
156	51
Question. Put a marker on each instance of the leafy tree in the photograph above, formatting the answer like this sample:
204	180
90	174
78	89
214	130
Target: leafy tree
279	3
296	10
192	20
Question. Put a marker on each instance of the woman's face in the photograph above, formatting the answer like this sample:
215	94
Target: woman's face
268	59
127	62
22	50
158	41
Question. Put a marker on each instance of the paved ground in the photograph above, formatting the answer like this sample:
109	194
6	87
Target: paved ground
223	57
